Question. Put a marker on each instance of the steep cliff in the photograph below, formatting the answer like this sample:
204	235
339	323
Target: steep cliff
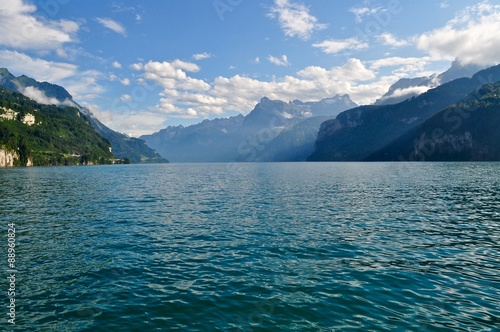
8	158
466	131
358	133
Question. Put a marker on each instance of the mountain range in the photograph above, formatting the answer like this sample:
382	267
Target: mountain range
272	131
279	131
134	149
407	88
357	134
468	130
456	118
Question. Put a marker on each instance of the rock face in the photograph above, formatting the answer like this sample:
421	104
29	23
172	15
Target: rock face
7	158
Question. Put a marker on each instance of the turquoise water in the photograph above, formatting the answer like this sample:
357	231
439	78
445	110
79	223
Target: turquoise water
254	247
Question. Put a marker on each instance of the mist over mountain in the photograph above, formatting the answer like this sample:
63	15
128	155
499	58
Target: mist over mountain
250	137
51	94
295	143
407	88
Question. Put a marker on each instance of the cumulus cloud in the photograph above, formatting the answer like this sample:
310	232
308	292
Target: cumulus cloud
336	46
295	19
112	25
472	36
22	30
172	76
353	70
282	61
117	65
390	40
201	56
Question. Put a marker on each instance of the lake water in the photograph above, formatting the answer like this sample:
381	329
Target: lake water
254	247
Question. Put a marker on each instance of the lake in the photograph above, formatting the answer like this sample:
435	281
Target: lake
254	247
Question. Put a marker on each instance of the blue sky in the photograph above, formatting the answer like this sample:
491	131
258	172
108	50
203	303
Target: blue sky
143	65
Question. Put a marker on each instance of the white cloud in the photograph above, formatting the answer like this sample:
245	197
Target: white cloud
472	36
62	53
40	97
112	25
124	81
84	85
81	85
336	46
353	70
444	5
390	40
172	76
126	97
117	65
361	12
22	30
137	66
187	66
411	91
295	19
400	62
283	61
201	56
37	68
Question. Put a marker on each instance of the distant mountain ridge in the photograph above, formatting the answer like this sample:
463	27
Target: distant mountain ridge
407	88
359	132
122	146
250	137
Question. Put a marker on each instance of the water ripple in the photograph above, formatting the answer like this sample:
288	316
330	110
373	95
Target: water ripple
256	247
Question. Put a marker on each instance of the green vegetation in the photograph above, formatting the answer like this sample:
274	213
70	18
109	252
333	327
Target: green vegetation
465	131
58	136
